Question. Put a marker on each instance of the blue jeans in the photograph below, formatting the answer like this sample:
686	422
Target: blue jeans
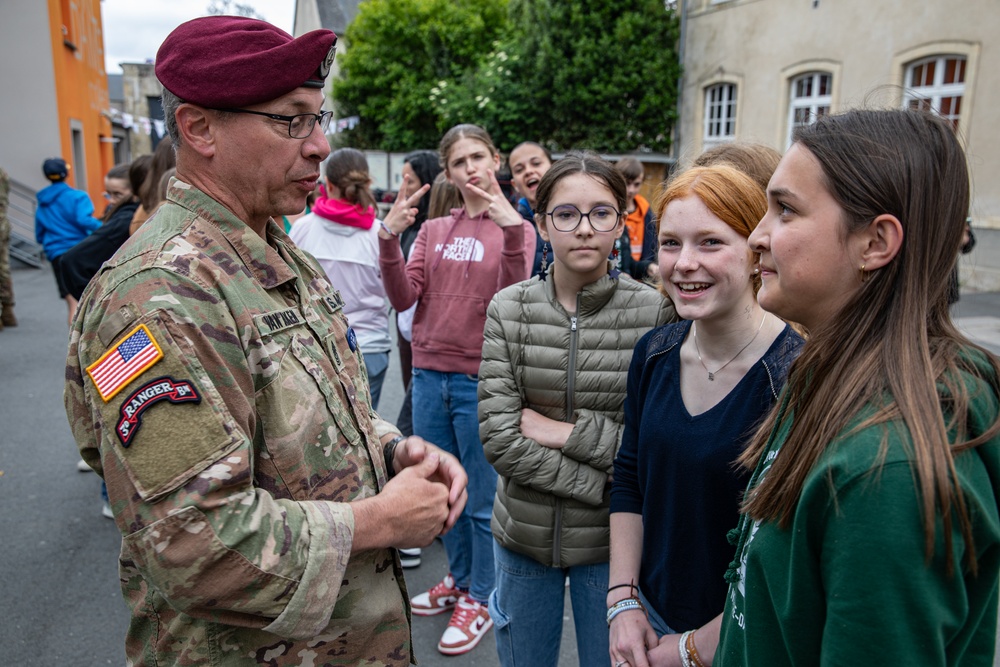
376	363
445	413
527	610
659	625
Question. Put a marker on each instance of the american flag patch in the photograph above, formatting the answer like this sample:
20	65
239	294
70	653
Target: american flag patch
124	362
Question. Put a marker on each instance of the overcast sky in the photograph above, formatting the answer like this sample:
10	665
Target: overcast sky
134	29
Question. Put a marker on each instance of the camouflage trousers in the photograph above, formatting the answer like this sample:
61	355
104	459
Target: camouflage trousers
6	284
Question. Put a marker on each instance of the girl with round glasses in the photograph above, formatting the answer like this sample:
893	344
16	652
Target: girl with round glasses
696	390
551	388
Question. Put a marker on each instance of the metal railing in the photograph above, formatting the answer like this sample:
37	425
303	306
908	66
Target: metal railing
21	213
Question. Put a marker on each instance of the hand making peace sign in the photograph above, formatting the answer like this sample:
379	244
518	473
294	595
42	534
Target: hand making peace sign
403	212
501	212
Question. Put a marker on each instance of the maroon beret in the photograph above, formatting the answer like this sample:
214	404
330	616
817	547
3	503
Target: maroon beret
225	62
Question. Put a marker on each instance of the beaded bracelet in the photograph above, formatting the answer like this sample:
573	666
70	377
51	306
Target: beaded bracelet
624	605
682	649
693	651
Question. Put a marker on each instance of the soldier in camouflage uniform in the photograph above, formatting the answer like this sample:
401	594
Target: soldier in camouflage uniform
6	284
215	384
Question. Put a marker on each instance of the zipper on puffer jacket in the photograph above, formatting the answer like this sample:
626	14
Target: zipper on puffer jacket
570	408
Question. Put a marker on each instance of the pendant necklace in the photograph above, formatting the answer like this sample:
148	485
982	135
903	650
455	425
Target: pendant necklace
711	374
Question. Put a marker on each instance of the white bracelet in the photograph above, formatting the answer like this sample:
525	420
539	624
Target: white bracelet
387	230
623	605
682	649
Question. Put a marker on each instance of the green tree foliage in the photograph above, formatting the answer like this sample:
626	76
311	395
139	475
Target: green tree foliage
398	50
604	74
568	73
495	95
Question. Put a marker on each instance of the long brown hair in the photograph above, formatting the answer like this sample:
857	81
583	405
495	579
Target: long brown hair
164	159
893	345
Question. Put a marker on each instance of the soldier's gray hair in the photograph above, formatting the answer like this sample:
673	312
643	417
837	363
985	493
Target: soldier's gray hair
170	102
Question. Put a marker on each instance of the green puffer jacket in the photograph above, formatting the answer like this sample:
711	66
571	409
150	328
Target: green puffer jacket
552	504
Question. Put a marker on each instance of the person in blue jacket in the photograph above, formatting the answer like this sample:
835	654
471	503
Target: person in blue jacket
64	217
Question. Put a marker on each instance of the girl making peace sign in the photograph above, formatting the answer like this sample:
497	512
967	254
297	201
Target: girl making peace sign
457	264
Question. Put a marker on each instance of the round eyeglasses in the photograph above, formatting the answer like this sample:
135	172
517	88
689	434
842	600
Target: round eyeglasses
566	218
300	125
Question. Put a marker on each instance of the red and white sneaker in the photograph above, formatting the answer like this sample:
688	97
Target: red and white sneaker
437	600
469	622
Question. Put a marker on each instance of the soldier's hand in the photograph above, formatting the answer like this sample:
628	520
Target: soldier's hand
449	472
418	504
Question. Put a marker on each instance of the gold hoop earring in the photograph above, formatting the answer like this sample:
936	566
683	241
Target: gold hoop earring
864	276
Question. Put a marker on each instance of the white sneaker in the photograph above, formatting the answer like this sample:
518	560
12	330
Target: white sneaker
82	466
469	622
409	558
106	511
437	600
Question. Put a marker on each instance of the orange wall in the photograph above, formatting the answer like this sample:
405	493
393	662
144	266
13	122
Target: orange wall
82	89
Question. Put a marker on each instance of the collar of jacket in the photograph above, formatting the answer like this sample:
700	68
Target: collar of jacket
261	260
590	299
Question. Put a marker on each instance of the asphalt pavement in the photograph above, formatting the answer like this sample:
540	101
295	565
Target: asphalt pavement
60	601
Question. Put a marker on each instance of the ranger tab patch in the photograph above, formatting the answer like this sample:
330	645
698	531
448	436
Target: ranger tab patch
161	389
135	354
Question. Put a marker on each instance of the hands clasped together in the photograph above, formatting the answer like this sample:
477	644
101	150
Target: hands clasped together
427	494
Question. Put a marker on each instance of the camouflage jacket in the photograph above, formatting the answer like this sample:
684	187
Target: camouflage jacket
214	383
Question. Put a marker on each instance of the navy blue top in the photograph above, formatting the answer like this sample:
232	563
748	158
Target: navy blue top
677	471
524	208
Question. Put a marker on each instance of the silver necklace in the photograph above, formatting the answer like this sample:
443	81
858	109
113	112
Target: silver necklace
711	374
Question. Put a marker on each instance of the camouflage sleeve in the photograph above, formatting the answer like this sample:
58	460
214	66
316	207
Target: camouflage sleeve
174	436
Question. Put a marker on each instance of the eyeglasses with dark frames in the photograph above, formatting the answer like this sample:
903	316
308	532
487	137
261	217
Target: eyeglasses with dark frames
300	125
602	218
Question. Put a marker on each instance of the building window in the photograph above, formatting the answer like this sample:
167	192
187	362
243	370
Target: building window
937	83
810	97
720	114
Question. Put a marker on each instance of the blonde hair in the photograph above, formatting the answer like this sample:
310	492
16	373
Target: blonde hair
443	197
